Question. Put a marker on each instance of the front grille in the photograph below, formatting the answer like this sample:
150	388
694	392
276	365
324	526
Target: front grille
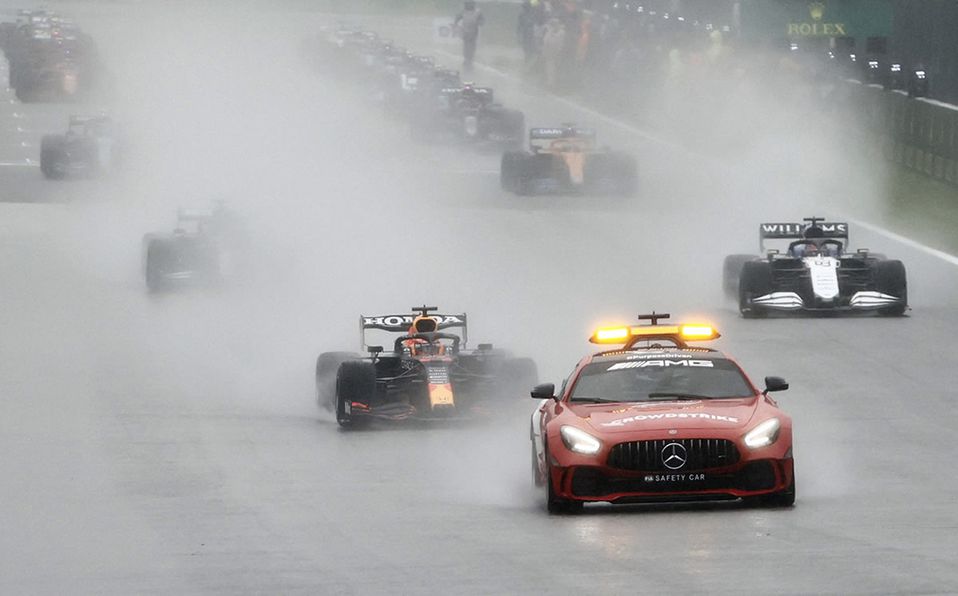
754	476
646	456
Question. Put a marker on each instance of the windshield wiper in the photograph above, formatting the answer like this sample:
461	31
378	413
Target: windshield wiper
677	396
595	400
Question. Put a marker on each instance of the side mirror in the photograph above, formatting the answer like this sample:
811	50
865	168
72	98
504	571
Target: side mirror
544	391
775	384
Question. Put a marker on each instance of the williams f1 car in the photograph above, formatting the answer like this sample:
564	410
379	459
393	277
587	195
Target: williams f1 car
200	251
89	148
566	159
653	419
427	373
811	271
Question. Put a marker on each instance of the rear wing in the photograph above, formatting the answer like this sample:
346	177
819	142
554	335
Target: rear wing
796	231
485	93
401	324
542	138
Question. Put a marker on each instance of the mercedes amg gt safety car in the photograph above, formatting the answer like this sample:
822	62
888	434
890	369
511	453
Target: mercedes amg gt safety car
811	271
90	147
427	374
566	159
202	249
654	419
468	113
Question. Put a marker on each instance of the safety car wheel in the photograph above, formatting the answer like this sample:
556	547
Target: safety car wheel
891	279
355	383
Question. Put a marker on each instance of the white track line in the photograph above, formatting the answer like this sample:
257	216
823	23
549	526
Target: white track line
944	256
934	252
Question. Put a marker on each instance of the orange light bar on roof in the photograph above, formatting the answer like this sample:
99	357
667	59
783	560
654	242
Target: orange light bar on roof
698	332
611	335
622	335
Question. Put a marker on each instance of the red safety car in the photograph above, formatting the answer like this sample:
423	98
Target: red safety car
655	419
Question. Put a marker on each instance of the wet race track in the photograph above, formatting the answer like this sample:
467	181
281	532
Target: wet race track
172	444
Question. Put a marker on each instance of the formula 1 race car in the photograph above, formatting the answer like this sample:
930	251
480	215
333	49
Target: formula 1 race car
813	272
89	148
468	113
653	419
566	159
50	58
427	373
201	250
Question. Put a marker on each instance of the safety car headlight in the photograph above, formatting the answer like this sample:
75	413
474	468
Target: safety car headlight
764	434
579	441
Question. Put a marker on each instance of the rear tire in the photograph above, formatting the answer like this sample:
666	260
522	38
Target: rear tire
891	279
355	383
756	280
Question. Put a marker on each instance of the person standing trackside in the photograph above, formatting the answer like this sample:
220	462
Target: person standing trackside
469	21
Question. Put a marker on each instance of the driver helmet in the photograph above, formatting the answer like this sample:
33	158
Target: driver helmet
830	249
421	324
805	249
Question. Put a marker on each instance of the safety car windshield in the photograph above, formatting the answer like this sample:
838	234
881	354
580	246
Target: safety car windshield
660	377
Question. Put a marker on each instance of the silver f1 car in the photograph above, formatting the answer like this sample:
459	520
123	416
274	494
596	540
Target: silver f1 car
813	272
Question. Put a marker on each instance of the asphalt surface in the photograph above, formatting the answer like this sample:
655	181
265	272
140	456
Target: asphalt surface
172	444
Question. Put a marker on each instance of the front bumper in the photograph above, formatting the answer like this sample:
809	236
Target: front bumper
600	483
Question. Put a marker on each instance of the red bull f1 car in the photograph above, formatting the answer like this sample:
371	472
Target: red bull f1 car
566	160
427	373
810	270
654	419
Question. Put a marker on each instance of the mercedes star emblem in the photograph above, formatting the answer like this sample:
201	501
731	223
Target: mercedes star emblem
674	456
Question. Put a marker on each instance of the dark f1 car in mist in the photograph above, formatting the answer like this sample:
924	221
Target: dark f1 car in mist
201	251
468	113
566	159
426	374
812	272
89	148
50	58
